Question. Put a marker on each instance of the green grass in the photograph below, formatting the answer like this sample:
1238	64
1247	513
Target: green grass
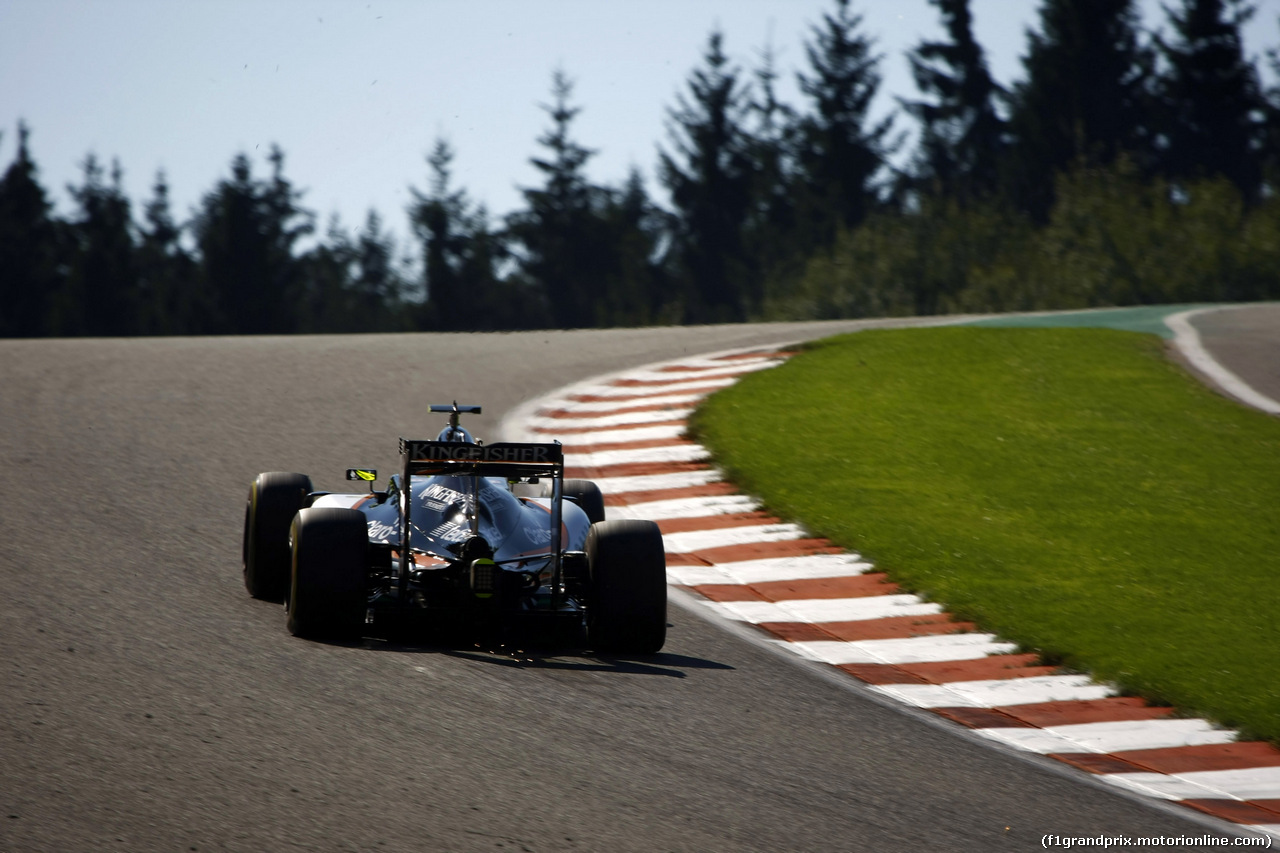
1069	489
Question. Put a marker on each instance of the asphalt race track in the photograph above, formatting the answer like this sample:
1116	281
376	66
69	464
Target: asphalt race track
1246	341
148	704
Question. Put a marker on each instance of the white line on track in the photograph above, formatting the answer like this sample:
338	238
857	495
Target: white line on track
1160	785
583	441
689	507
662	453
812	567
657	482
1254	783
626	395
998	693
930	649
698	375
629	418
701	540
597	406
1112	736
1187	340
819	610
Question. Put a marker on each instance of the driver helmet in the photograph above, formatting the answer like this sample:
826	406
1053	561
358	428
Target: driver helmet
455	433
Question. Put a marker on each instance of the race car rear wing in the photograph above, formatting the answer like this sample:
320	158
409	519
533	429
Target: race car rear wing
512	460
505	459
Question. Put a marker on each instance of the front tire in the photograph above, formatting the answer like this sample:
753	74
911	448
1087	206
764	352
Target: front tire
274	498
627	606
327	597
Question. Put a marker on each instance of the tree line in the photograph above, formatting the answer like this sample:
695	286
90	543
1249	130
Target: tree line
1124	167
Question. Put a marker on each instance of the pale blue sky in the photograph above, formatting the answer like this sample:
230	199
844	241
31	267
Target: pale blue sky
356	91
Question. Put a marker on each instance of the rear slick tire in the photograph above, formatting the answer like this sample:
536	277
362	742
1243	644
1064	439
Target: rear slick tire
627	605
274	498
585	494
327	597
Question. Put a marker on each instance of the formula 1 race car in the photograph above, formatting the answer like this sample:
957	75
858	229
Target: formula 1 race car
467	537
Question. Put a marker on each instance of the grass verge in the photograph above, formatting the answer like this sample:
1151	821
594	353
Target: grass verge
1072	490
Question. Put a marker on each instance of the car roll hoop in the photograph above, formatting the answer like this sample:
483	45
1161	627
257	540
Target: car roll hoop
454	431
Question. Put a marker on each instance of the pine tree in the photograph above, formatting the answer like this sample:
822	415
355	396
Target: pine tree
167	275
440	220
246	232
378	286
562	246
496	303
286	222
1086	97
635	287
709	177
961	132
100	294
776	243
29	248
461	257
1270	153
1211	96
842	154
352	283
324	304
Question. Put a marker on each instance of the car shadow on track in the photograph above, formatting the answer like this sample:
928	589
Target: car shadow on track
670	665
521	655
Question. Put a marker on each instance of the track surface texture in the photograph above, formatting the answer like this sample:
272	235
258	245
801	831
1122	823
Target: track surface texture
147	703
1246	341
